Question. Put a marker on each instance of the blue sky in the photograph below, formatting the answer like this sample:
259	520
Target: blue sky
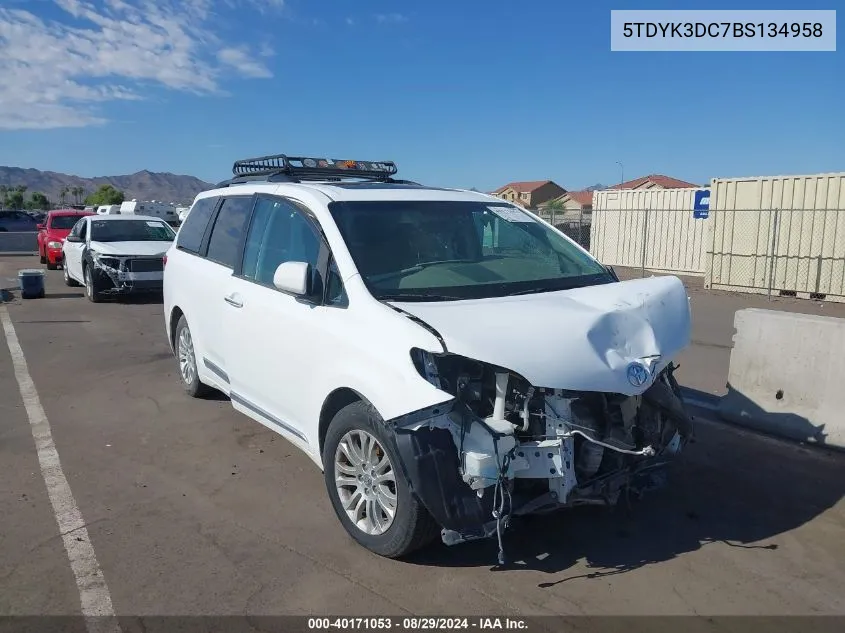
471	93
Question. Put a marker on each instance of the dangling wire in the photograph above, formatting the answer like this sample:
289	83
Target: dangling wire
499	512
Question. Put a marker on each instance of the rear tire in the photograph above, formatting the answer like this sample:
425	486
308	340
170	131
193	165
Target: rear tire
367	488
187	360
68	280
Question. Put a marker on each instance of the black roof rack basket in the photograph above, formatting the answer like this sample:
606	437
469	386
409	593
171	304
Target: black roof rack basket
283	168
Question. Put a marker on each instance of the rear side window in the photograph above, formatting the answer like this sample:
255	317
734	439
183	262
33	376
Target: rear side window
191	232
228	230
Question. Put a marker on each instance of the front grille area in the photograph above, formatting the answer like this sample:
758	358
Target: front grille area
150	265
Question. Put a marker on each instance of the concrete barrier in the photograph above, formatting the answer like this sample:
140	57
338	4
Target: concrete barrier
14	242
787	376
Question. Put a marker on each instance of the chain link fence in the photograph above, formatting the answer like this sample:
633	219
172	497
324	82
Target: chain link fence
777	252
782	252
574	223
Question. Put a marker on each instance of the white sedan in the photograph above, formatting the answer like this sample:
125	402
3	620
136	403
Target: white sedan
117	254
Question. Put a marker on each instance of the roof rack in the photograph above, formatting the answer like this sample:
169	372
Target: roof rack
283	168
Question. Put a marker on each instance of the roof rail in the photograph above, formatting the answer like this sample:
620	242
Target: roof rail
276	177
283	168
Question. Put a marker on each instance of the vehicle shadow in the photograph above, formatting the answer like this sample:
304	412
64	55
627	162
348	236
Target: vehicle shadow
64	295
730	486
141	299
216	396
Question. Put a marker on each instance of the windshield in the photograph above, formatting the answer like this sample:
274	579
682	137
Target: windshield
131	231
64	221
421	250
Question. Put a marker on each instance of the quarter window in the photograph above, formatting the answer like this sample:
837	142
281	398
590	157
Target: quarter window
228	230
335	292
193	229
279	233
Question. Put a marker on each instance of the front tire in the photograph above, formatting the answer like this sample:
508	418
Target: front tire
51	265
367	486
42	257
187	358
92	289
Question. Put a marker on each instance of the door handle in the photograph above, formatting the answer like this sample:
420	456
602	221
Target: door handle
234	300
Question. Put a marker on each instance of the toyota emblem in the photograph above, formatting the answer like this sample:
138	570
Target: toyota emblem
638	375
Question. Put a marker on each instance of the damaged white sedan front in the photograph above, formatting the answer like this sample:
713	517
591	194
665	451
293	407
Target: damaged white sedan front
117	255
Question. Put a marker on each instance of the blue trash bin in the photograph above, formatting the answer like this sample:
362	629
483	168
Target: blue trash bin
31	282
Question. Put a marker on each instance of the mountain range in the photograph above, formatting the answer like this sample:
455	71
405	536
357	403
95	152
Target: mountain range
143	185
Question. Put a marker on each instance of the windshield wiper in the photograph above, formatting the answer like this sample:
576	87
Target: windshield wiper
418	267
531	291
408	296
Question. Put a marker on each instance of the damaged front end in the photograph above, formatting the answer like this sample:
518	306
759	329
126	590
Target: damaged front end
503	447
124	274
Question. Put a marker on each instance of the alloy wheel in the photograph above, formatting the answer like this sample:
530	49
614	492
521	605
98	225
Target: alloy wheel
187	360
365	482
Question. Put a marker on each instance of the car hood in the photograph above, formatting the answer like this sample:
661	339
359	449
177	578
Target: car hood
131	248
584	339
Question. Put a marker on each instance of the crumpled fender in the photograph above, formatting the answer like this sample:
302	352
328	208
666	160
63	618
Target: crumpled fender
432	466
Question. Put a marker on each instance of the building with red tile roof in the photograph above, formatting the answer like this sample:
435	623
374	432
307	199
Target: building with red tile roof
654	181
584	198
572	204
530	194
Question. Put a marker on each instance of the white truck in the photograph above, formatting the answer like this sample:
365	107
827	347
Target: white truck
163	210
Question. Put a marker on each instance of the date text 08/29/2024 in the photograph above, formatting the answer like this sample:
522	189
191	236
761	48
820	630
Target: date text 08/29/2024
416	623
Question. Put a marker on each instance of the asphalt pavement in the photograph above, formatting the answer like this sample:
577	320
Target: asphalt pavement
194	509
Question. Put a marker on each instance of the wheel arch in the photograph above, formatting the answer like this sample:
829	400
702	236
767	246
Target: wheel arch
85	260
173	320
334	402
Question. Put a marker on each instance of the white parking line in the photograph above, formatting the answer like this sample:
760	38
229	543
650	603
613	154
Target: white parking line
93	592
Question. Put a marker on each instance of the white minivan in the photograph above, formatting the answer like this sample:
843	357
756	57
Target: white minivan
449	360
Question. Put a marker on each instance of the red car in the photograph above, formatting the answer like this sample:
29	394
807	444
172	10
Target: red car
52	234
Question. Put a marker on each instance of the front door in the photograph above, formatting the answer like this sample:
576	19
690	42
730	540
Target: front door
73	250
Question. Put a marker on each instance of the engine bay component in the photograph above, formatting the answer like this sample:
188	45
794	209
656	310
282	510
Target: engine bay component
507	448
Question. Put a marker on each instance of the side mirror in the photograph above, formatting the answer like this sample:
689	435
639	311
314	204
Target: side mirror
293	277
40	227
73	238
